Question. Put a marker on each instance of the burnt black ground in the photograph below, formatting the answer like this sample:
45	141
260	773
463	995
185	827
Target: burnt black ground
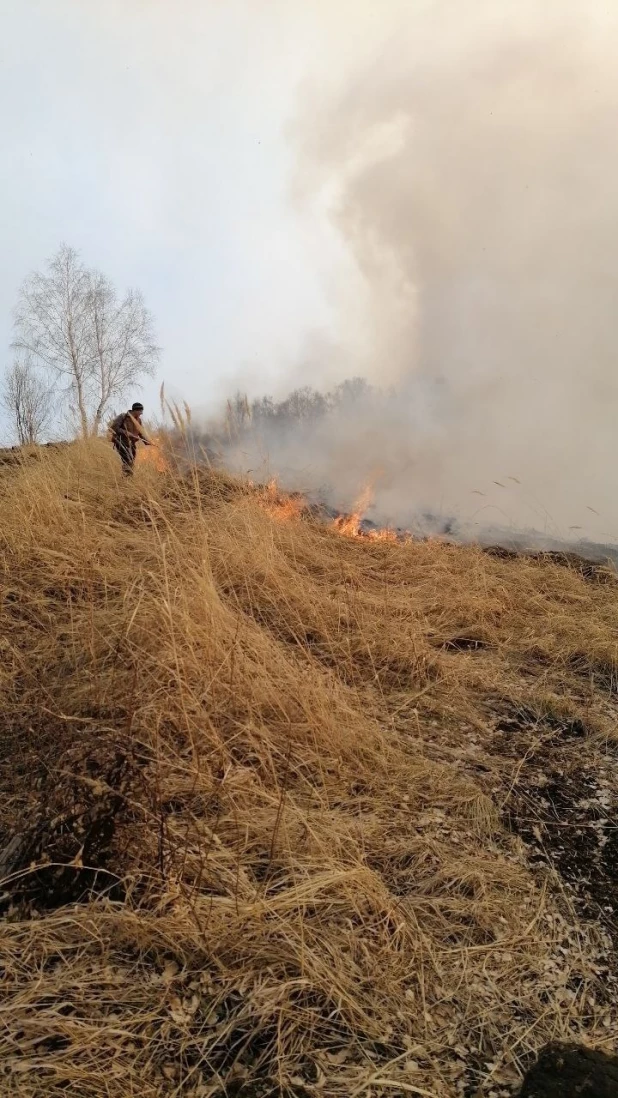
571	1072
568	818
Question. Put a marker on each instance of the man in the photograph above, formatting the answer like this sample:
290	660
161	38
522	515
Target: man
126	431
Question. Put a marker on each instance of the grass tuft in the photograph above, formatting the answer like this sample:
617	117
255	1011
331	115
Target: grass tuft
280	797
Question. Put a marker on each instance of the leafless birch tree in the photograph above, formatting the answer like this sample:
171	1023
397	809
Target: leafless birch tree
28	402
72	322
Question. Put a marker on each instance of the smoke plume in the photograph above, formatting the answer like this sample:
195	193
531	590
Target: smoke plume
472	170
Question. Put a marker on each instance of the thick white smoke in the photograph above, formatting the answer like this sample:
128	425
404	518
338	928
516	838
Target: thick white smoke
472	169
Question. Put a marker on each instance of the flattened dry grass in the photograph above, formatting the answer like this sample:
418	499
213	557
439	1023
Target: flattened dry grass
289	743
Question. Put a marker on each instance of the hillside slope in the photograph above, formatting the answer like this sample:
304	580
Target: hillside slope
289	812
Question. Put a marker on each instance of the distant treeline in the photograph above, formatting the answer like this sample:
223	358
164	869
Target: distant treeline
304	406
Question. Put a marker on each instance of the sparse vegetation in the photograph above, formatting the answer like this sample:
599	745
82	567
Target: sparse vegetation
289	812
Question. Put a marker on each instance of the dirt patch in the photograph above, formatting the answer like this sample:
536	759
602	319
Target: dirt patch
568	822
593	571
563	804
520	721
65	852
564	1071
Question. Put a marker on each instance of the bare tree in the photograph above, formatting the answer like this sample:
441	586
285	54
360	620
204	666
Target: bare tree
51	324
70	319
123	346
28	402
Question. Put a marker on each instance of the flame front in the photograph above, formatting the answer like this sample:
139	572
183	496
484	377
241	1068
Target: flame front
284	507
279	505
153	455
349	525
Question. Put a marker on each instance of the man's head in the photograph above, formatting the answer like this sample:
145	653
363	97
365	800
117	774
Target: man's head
137	410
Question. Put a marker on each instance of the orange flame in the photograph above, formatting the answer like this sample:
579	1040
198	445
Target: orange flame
279	505
385	534
284	507
349	525
153	455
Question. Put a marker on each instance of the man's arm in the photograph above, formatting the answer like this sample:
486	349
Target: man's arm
136	431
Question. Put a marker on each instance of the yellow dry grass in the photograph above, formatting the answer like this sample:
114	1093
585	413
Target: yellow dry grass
319	893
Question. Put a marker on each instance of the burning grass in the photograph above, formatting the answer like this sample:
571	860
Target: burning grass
288	803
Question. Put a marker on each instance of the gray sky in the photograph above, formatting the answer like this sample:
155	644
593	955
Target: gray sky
151	136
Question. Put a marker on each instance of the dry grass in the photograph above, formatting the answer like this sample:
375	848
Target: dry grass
309	882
